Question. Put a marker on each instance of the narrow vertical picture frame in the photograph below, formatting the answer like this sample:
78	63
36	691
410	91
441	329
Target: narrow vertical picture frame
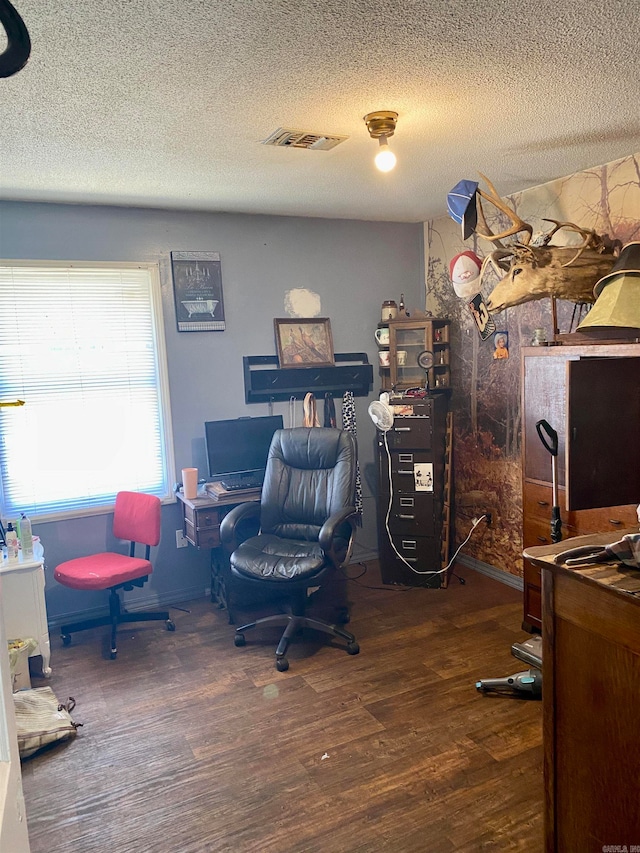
197	290
501	345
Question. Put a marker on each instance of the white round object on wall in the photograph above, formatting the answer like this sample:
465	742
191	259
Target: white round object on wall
301	302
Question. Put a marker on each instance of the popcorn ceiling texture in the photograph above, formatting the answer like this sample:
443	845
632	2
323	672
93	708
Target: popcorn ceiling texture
164	103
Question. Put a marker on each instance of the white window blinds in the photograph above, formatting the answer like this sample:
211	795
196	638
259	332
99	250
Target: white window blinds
83	346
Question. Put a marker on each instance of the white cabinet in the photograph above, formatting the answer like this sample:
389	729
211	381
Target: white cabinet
24	610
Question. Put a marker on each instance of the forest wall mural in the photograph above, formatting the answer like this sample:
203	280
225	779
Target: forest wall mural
486	395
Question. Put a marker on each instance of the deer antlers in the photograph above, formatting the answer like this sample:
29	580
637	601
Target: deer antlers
591	240
517	226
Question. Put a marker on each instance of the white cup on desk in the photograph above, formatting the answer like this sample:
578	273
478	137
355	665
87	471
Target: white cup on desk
190	483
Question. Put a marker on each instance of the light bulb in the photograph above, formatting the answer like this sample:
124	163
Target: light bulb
385	159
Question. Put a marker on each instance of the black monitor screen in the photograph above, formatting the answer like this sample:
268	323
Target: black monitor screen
239	446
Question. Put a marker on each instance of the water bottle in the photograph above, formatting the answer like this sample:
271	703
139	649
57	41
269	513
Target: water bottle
11	538
26	537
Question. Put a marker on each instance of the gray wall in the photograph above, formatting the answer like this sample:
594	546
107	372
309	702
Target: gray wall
352	265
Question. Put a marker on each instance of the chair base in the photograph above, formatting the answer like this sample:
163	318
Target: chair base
116	617
293	624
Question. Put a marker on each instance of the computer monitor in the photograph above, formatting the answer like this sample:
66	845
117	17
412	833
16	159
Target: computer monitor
239	446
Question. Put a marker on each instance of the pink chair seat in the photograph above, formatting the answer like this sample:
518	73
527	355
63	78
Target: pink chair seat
101	571
136	517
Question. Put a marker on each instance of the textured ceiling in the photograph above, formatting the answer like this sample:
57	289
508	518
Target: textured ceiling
164	103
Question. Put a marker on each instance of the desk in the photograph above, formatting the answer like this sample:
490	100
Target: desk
23	604
201	526
591	699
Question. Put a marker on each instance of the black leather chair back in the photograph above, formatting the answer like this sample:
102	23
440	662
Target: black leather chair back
310	474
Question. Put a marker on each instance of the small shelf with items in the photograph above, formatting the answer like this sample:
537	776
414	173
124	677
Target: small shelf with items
418	353
264	381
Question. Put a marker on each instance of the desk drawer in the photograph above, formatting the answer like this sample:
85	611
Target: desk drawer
202	537
202	526
202	518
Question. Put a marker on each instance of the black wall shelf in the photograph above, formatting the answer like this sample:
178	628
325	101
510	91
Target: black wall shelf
265	381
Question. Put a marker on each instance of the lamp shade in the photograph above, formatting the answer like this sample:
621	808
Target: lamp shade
618	306
628	261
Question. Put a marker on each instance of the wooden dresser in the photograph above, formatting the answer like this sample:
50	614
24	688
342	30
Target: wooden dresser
591	697
590	395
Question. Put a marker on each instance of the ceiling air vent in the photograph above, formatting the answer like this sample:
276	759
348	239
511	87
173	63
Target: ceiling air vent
284	137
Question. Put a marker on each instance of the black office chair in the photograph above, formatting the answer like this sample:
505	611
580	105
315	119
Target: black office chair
306	524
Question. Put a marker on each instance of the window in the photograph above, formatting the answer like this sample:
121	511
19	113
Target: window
83	345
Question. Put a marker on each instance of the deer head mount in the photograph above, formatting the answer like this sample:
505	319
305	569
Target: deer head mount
531	271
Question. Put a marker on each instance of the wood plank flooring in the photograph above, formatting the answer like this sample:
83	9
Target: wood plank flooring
191	745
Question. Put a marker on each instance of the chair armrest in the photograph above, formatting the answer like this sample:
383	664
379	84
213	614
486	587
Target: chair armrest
241	523
341	525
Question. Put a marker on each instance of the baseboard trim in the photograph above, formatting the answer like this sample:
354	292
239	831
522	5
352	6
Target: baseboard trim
491	571
147	602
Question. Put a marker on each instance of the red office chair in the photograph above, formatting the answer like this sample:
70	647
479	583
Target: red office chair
136	517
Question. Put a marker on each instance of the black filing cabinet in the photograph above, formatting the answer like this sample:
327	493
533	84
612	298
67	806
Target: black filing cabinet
411	489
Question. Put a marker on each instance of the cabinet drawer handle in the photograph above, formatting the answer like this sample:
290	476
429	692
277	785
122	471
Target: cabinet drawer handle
403	471
402	429
410	559
407	517
409	544
543	503
614	521
542	539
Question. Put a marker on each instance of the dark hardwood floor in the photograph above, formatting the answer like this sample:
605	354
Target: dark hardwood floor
191	745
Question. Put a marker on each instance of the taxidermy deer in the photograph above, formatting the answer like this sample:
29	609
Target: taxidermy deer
536	271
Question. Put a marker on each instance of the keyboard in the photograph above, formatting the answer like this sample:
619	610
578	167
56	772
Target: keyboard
236	482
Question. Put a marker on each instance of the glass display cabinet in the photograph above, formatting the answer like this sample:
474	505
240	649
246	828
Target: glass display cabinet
418	351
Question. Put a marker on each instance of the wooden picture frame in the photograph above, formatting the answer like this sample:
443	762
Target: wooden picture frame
304	342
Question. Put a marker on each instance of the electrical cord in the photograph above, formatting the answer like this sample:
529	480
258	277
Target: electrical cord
392	543
356	580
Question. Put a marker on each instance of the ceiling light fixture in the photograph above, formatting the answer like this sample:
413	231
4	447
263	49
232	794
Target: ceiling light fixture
381	125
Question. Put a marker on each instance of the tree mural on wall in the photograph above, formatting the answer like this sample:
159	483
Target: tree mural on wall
486	398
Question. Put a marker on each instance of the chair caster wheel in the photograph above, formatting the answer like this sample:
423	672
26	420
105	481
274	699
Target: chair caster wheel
353	649
66	639
282	664
170	625
114	654
239	640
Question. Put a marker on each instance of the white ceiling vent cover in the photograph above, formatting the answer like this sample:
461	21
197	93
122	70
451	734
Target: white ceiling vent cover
284	137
